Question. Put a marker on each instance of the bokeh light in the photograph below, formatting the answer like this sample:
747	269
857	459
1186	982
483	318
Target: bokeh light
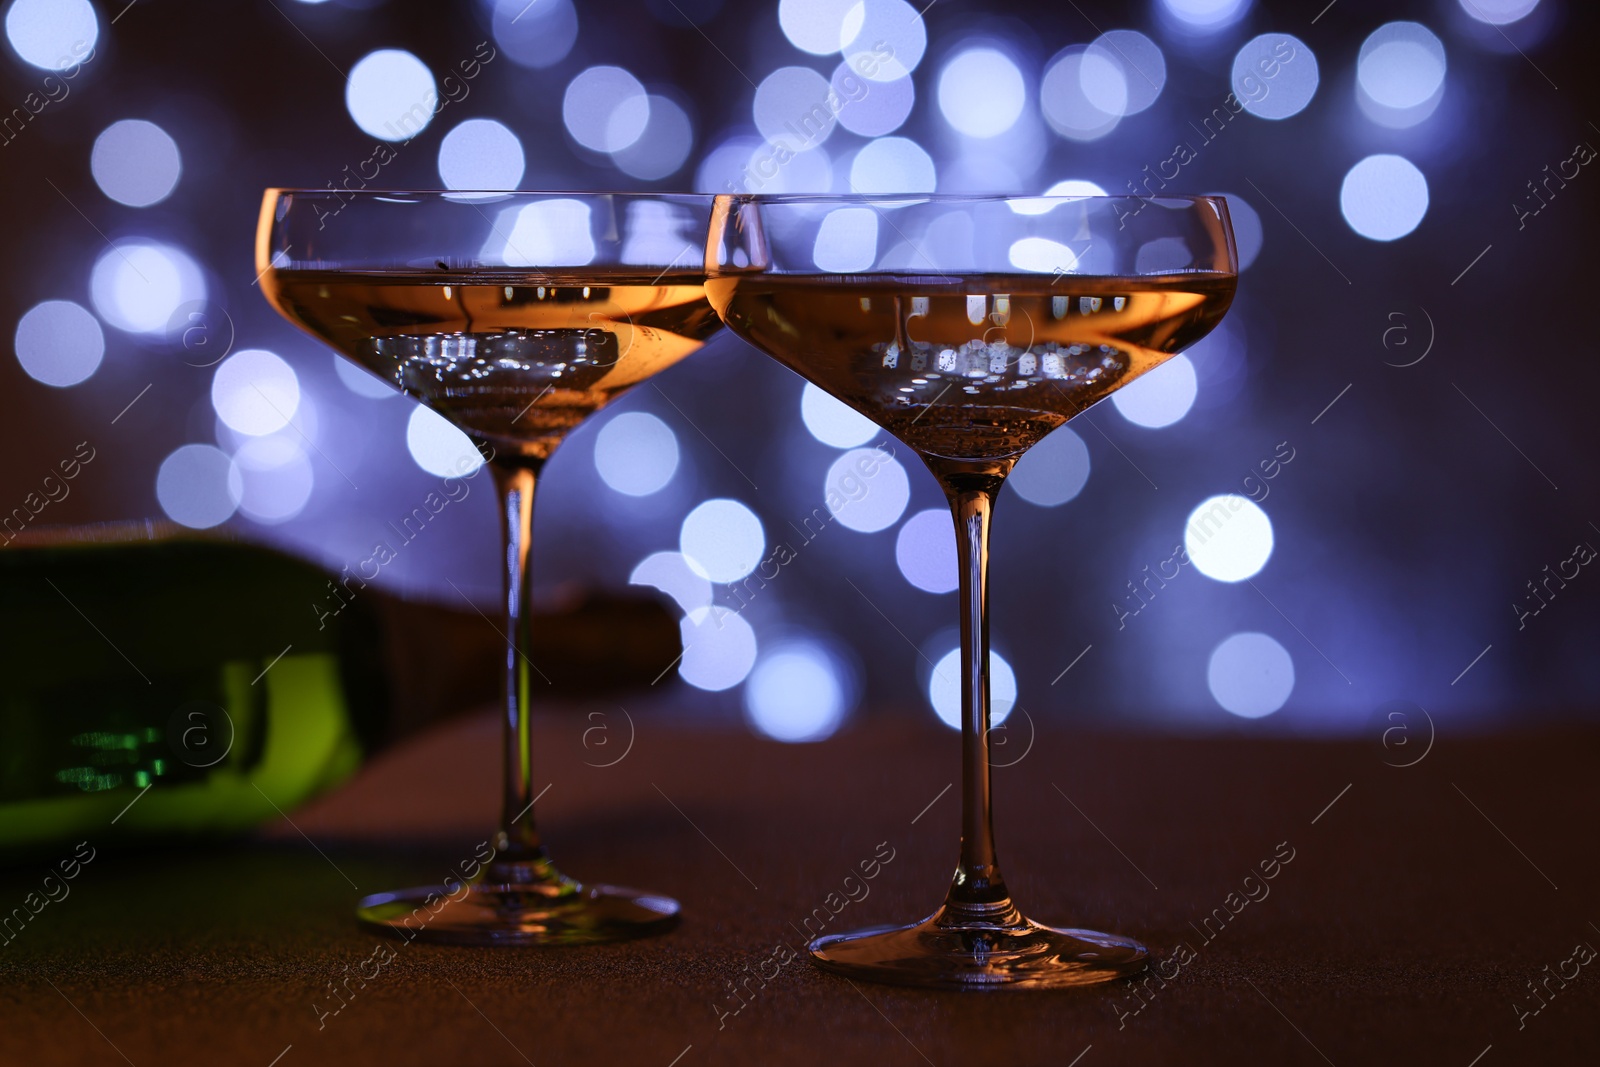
872	108
663	147
255	392
1206	16
1384	197
847	240
892	165
1053	471
1250	675
52	34
815	26
605	109
135	162
363	382
199	486
1228	538
535	33
883	40
671	574
481	154
1400	74
59	343
545	233
391	94
276	478
1160	397
719	649
981	92
636	453
1499	12
832	421
1275	76
722	539
791	108
944	689
925	551
1141	72
867	490
439	447
139	285
1064	94
795	693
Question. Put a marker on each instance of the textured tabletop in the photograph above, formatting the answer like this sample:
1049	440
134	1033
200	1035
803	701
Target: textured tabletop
1416	907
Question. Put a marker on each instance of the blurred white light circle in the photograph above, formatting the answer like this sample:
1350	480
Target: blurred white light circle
199	486
1206	15
276	478
545	233
663	147
535	33
791	108
944	689
847	240
59	343
805	172
795	693
867	490
883	40
363	382
671	573
636	453
925	551
815	26
605	109
1228	538
872	108
139	285
1066	106
1498	12
722	540
1250	675
438	446
1384	197
1400	74
719	648
391	94
1159	397
981	92
891	165
833	422
135	162
255	392
1042	255
52	34
1053	471
1041	205
1141	72
481	154
1247	232
1275	76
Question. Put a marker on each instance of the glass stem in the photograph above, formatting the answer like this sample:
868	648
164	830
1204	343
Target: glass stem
518	839
978	892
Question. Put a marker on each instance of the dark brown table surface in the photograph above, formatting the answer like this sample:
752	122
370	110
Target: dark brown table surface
1404	931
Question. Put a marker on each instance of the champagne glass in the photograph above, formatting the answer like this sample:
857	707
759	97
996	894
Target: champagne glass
970	327
515	316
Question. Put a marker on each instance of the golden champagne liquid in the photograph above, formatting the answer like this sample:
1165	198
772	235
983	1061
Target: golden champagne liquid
977	367
511	357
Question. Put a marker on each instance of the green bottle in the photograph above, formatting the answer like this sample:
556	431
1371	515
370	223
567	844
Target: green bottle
164	684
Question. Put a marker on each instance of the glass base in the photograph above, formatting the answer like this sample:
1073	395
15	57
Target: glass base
949	952
518	904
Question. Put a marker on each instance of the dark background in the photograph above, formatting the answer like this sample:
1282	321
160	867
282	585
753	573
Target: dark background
1414	513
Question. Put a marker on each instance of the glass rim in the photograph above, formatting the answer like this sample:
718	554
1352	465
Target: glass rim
402	195
962	198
